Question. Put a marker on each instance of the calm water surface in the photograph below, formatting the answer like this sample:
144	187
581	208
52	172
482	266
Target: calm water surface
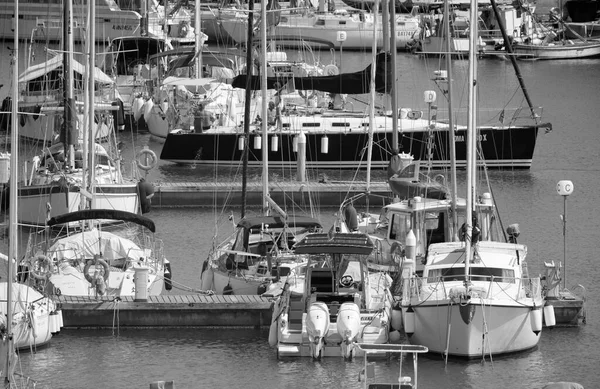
220	358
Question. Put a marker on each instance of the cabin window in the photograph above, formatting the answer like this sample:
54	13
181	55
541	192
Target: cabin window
477	274
400	226
435	227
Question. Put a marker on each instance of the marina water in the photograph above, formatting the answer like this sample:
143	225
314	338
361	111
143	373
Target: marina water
226	357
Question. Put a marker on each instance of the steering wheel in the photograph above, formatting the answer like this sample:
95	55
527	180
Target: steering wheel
346	281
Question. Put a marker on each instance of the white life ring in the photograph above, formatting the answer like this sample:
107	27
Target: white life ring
97	261
146	159
41	267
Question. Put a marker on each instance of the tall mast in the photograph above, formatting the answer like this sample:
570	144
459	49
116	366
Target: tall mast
471	136
69	128
91	131
263	114
199	42
247	102
394	52
372	95
451	119
13	182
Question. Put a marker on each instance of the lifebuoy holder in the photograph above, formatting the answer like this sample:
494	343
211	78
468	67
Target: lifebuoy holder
95	262
146	159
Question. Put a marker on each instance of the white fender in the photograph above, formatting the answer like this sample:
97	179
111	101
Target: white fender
536	320
409	321
136	108
396	319
273	333
147	108
549	317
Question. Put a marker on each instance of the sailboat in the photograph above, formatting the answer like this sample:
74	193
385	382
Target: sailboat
474	297
258	254
57	178
28	318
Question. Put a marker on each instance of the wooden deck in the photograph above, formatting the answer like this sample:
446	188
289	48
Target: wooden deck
207	194
166	311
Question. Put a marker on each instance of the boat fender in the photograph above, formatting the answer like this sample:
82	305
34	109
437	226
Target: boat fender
42	267
147	108
167	276
549	317
273	333
227	290
409	321
145	192
351	217
137	108
96	261
146	159
118	115
536	320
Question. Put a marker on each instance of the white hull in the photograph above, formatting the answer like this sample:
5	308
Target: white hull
48	19
494	329
71	282
568	50
33	316
34	200
325	28
239	285
44	128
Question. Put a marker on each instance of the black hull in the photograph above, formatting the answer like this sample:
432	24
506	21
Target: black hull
501	148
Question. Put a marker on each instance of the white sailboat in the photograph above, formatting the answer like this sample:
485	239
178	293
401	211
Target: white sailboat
57	178
258	254
28	319
475	297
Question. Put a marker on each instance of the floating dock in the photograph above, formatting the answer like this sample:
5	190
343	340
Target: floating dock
206	194
166	311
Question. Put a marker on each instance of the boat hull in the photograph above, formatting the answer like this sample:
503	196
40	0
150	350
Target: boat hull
493	329
502	147
34	200
326	28
46	18
558	50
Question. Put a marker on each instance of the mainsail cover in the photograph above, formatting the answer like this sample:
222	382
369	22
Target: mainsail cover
345	83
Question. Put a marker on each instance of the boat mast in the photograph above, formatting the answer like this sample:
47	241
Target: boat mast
372	95
69	128
91	132
513	60
263	114
247	102
471	136
13	198
394	52
199	42
451	140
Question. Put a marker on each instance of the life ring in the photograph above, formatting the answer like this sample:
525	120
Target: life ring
96	261
42	266
146	159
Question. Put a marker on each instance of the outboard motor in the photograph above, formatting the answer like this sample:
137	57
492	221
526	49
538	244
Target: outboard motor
317	326
348	326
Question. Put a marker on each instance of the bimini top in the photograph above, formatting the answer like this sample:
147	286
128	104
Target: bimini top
336	243
279	222
109	214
